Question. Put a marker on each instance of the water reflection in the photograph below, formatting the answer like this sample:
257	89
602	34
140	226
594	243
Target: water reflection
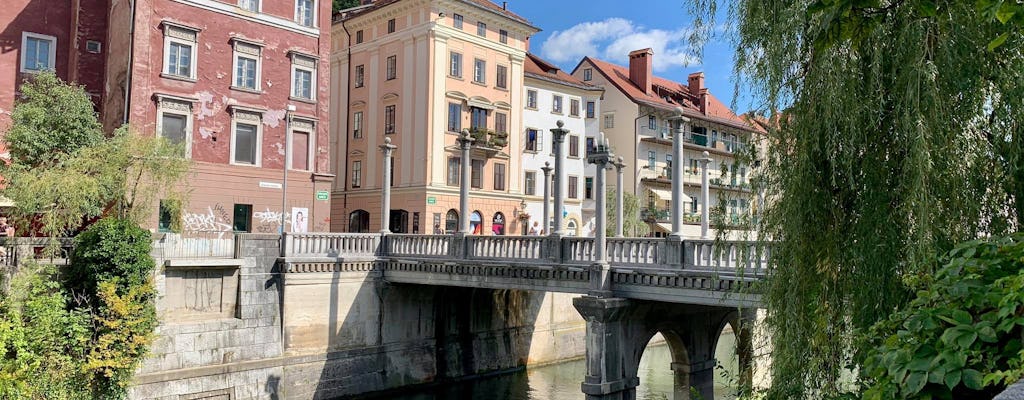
562	381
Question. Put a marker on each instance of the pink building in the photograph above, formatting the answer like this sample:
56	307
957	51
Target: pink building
242	83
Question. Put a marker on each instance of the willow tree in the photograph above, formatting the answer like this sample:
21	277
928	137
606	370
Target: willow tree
898	137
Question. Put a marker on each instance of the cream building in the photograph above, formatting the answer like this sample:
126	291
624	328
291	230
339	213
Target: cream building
419	72
634	116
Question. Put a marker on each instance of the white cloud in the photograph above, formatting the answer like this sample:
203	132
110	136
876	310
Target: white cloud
613	39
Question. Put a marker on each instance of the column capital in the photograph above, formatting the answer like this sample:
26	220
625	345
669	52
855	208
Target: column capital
465	140
558	134
619	164
547	168
387	147
705	157
603	309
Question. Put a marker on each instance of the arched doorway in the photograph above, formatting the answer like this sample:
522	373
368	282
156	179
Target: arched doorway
476	223
498	224
359	221
399	221
572	228
451	221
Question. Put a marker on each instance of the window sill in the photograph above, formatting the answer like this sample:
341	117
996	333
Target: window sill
458	78
531	151
574	157
358	87
177	77
479	83
247	90
557	113
453	133
302	100
391	79
530	108
574	115
238	164
503	89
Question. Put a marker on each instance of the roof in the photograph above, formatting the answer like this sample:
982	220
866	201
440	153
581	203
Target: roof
669	95
538	68
484	4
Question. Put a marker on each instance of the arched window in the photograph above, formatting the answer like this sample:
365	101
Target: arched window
573	228
451	221
359	221
498	224
476	223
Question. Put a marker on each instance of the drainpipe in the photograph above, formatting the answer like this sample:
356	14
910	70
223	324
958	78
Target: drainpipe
128	76
348	118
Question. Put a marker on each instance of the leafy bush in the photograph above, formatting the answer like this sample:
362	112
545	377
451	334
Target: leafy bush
124	330
112	248
51	121
961	337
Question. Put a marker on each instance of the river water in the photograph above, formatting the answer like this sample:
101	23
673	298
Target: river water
562	381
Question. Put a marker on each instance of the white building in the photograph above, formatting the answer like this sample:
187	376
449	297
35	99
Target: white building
551	95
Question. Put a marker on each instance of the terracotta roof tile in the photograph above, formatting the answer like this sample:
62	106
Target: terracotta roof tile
669	95
539	68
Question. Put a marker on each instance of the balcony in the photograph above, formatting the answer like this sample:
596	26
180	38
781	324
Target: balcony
664	215
490	142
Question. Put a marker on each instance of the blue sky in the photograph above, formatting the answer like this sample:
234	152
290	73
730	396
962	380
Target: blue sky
610	29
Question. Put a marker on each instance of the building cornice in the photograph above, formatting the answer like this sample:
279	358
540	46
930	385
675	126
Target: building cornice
260	18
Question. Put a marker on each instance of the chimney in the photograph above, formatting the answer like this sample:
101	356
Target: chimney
695	82
641	68
504	5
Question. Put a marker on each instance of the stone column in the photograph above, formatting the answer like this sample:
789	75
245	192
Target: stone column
619	165
558	137
385	224
600	279
705	195
678	130
465	143
547	196
609	375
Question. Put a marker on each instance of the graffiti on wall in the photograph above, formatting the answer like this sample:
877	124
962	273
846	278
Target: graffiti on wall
269	221
215	219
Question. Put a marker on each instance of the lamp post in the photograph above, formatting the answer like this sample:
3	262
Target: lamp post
385	224
465	143
547	194
600	283
619	165
558	136
705	194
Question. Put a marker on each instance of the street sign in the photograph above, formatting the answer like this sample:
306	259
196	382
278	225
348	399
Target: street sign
323	195
431	200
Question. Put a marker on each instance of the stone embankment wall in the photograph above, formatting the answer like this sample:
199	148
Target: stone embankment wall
238	328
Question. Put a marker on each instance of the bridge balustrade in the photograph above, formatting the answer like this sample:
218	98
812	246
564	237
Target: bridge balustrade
637	251
419	245
505	247
332	244
578	250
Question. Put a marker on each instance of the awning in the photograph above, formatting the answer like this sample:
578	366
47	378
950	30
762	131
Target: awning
666	228
666	195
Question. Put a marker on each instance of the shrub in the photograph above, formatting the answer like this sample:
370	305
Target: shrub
112	248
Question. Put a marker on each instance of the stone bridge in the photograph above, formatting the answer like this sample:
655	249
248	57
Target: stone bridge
687	290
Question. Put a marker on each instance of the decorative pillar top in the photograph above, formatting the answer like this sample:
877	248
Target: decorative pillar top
619	163
465	140
547	168
387	147
558	134
602	154
706	157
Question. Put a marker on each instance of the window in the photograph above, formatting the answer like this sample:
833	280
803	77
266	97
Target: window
714	138
93	46
457	21
574	108
556	104
453	171
391	25
574	187
455	68
454	117
304	11
477	118
246	138
693	204
243	218
249	5
590	145
609	121
38	52
588	188
693	166
179	48
392	67
357	125
533	140
360	71
174	128
590	109
164	223
499	176
502	77
531	183
359	36
389	119
652	122
652	160
303	76
503	36
588	74
479	71
247	65
574	146
302	144
500	122
451	221
357	174
531	99
477	174
481	29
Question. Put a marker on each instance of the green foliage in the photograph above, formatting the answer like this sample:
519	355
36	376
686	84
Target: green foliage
338	5
111	249
900	137
51	121
632	224
961	336
124	330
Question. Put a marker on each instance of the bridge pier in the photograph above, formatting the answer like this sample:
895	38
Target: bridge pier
610	373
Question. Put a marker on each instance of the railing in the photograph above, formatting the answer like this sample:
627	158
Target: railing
18	250
173	246
636	251
505	247
578	250
419	245
331	244
747	257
